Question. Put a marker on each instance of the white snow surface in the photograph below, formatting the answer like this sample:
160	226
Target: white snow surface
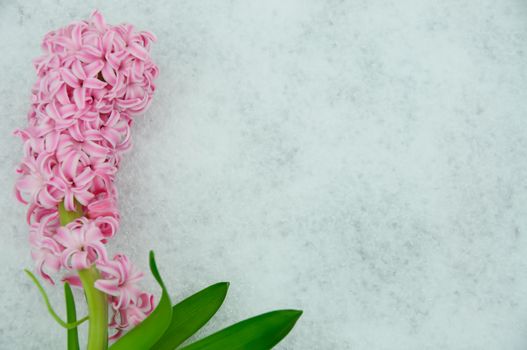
364	161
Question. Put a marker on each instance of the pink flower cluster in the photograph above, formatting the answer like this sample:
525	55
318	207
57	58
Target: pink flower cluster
91	80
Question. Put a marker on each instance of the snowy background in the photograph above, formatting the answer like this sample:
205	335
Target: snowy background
364	161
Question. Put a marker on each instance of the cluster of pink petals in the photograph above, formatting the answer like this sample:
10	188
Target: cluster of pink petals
131	304
91	80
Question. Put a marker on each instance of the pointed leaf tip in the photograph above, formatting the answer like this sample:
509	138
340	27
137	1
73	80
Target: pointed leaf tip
191	314
261	332
154	270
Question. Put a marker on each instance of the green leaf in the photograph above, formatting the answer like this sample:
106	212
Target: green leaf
258	333
191	314
67	325
71	316
148	332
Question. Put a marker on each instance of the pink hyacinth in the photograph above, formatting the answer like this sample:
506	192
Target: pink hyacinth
129	303
82	243
119	279
130	316
92	78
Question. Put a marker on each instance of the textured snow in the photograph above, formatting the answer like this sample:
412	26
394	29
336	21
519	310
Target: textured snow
364	161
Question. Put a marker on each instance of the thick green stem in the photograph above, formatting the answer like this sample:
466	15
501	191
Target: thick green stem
96	300
97	309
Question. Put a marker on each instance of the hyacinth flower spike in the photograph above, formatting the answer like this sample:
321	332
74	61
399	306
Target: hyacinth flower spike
93	79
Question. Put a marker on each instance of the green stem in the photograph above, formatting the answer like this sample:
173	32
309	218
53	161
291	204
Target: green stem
67	325
97	309
96	300
65	216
